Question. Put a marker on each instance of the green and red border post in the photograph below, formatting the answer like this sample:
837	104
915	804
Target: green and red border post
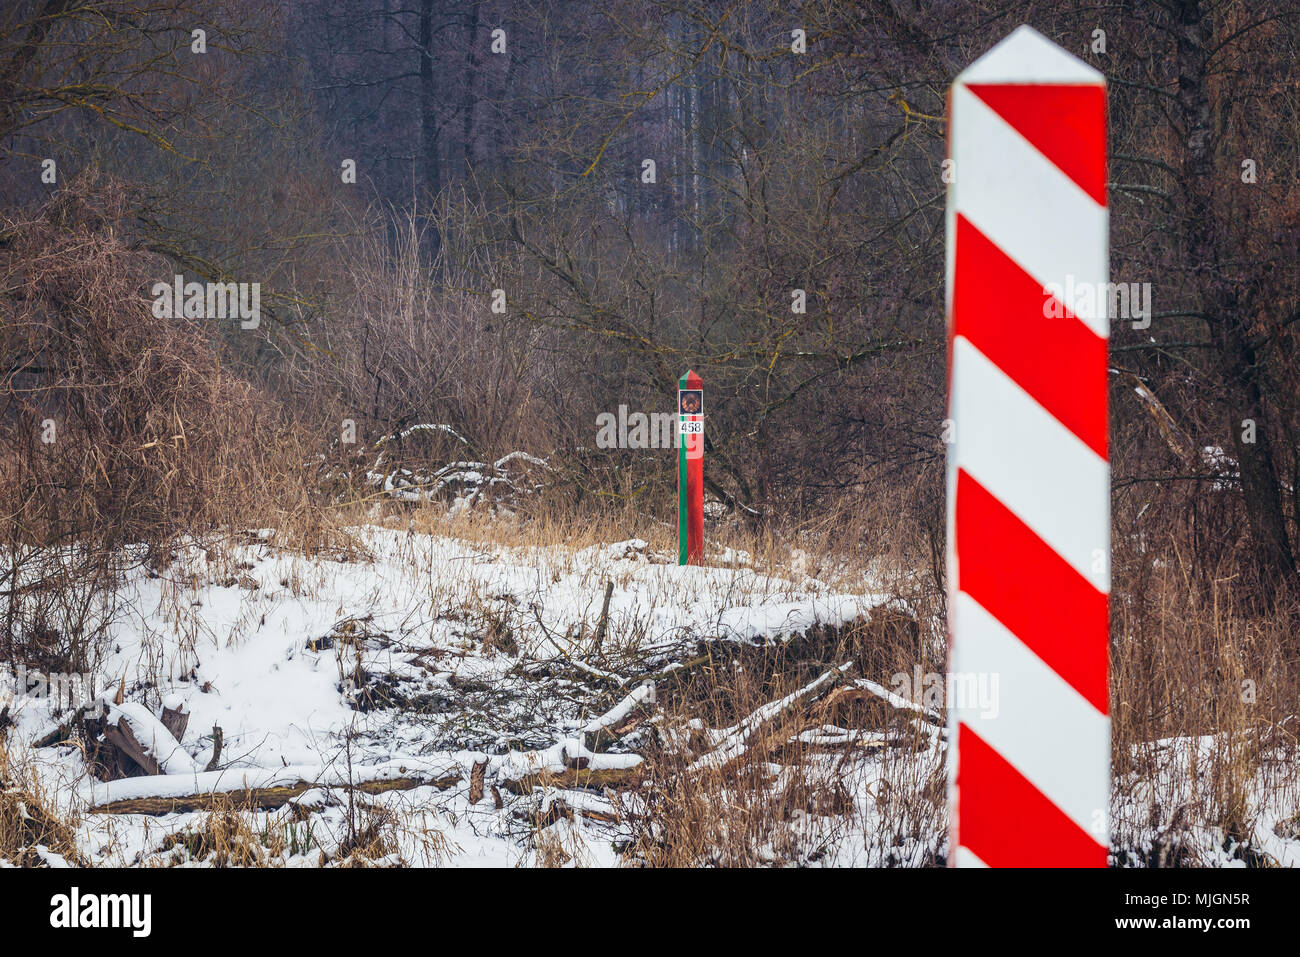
690	469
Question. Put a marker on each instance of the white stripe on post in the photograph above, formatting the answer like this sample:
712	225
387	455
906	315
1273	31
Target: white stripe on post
1028	473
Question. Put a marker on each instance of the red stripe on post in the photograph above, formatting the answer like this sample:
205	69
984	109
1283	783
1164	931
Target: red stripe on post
1019	580
695	503
1060	362
1067	124
1006	821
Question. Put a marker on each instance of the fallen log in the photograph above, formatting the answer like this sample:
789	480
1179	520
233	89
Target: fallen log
735	741
900	703
263	798
828	740
558	809
123	738
67	731
623	718
134	731
577	778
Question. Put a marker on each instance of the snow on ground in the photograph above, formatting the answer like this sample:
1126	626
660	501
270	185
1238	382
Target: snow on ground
423	656
438	657
1160	810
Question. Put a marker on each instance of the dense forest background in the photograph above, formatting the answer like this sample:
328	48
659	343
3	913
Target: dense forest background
650	184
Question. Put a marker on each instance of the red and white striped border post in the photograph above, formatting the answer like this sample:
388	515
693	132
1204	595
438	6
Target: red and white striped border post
690	469
1028	473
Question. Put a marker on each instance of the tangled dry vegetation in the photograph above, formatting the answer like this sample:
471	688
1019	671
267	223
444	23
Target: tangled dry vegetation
537	718
573	735
32	834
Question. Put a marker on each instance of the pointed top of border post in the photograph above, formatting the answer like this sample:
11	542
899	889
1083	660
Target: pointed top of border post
1026	56
1046	95
690	381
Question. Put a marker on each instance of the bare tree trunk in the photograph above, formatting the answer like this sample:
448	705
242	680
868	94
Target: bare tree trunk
1255	460
429	156
1194	36
468	100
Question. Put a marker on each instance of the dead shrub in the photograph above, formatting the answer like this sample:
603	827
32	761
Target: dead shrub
123	432
29	827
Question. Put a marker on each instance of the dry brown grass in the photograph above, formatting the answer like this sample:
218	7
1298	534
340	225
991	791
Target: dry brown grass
124	434
736	778
28	822
151	435
158	443
224	838
1195	659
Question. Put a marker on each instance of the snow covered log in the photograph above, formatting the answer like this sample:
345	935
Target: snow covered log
134	731
264	788
567	764
735	741
623	718
265	799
